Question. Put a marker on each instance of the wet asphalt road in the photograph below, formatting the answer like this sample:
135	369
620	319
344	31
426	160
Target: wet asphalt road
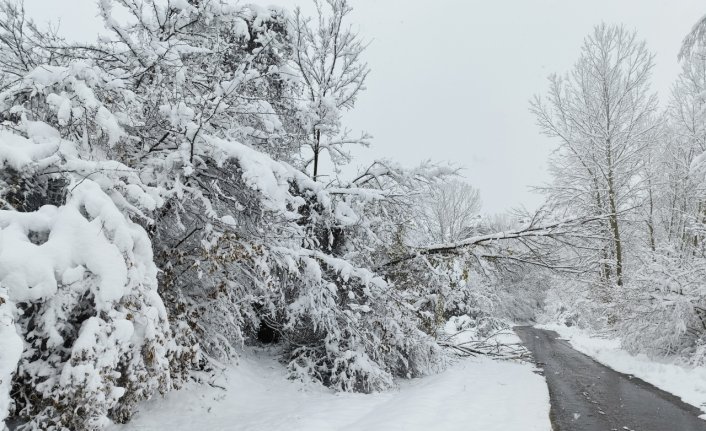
587	396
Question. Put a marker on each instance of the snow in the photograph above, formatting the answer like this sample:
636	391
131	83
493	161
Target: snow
463	329
107	121
53	257
688	383
10	352
28	270
262	173
473	394
17	152
62	105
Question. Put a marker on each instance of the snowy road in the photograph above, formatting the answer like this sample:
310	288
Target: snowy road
587	396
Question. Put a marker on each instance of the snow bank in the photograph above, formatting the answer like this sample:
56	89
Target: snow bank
688	383
474	394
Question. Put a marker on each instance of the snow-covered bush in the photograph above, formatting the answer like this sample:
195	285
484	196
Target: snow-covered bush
10	352
664	311
354	329
81	288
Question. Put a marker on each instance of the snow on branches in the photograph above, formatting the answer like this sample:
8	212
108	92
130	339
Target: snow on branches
80	285
156	215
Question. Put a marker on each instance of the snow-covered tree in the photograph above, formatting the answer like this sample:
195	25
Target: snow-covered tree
664	313
601	116
158	213
657	181
328	54
449	211
170	148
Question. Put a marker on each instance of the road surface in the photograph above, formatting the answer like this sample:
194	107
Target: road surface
588	396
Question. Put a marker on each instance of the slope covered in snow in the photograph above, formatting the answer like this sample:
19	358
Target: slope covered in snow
473	394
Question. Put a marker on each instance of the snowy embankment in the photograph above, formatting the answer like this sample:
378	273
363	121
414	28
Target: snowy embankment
688	383
473	394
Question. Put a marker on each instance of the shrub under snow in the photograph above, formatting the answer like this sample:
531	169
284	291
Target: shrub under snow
79	289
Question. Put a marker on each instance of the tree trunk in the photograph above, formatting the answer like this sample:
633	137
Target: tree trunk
317	141
605	272
650	221
613	221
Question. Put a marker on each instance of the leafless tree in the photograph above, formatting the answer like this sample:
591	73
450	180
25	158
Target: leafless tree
449	210
601	114
328	54
683	191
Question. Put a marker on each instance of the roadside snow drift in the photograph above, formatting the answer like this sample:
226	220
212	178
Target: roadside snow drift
473	394
688	383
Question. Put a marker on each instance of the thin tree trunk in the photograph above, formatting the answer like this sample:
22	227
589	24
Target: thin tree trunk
317	141
613	221
650	221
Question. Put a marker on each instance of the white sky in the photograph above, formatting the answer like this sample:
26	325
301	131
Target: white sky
451	79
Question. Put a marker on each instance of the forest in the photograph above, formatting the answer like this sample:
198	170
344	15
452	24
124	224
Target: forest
172	194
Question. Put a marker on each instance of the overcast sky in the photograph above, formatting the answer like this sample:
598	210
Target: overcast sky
451	79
